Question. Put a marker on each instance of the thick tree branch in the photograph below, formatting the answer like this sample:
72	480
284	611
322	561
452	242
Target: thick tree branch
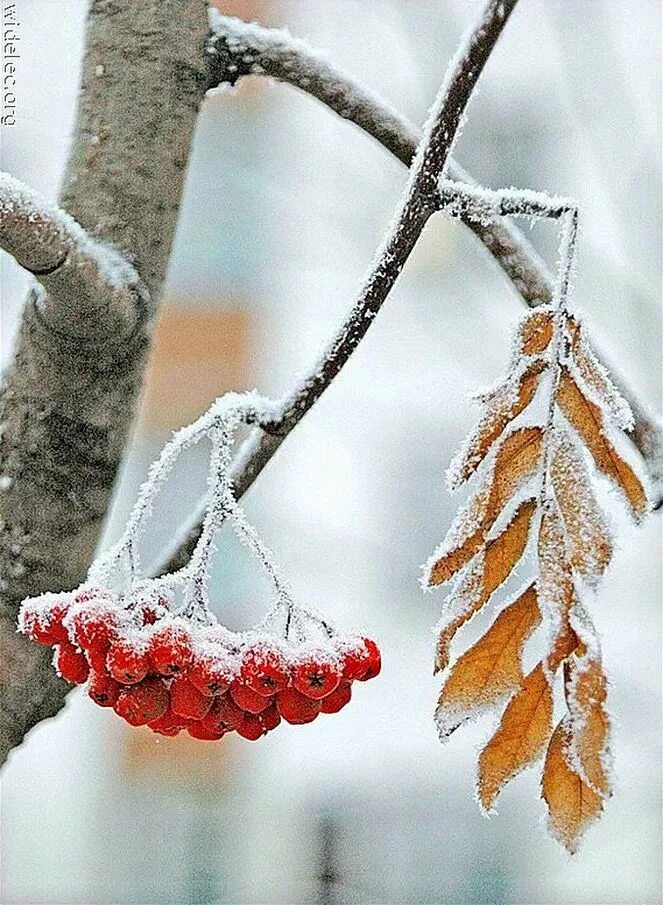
91	291
242	49
419	202
70	394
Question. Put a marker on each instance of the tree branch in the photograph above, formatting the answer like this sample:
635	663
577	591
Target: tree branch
90	289
419	202
70	394
241	49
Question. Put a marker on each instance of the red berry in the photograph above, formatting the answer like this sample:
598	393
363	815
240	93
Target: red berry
211	673
374	661
263	669
41	618
337	699
253	726
224	713
270	718
126	663
142	703
168	723
203	732
102	689
316	678
248	699
187	701
93	623
71	663
296	707
96	657
170	649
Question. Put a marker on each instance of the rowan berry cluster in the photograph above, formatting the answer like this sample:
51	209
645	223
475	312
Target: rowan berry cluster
172	673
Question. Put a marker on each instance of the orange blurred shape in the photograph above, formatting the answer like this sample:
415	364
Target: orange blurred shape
197	354
181	761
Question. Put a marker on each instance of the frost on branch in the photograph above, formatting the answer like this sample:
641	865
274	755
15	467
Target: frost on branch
153	650
528	458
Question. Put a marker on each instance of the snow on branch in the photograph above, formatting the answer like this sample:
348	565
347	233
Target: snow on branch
238	49
88	285
418	203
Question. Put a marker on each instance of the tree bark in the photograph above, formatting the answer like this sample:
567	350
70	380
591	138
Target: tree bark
70	395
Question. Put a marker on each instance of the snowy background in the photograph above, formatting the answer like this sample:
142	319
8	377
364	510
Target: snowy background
280	224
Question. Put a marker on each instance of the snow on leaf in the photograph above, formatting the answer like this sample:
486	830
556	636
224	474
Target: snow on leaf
555	589
505	404
535	332
592	373
586	691
587	419
493	567
491	668
587	534
572	804
521	737
516	461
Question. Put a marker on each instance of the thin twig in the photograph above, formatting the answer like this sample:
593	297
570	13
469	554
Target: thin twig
419	202
241	49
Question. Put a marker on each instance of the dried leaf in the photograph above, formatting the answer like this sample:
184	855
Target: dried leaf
521	738
491	668
515	462
587	419
586	693
499	558
595	376
505	406
587	535
535	332
572	804
555	588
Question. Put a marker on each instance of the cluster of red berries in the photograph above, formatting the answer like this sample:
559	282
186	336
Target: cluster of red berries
161	670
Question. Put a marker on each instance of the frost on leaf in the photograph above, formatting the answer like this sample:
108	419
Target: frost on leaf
572	804
493	568
491	668
586	417
535	332
531	475
515	462
587	534
520	739
592	373
505	404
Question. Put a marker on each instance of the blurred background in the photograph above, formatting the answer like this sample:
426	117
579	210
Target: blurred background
277	228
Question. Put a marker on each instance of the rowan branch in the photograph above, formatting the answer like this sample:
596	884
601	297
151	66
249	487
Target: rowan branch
70	393
90	289
239	49
420	200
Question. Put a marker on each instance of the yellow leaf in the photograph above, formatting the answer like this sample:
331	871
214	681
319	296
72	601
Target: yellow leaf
491	668
587	419
520	739
572	804
515	462
505	406
556	591
586	691
535	332
588	539
499	558
596	377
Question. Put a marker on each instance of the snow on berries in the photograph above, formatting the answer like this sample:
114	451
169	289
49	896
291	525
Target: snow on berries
174	675
156	654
